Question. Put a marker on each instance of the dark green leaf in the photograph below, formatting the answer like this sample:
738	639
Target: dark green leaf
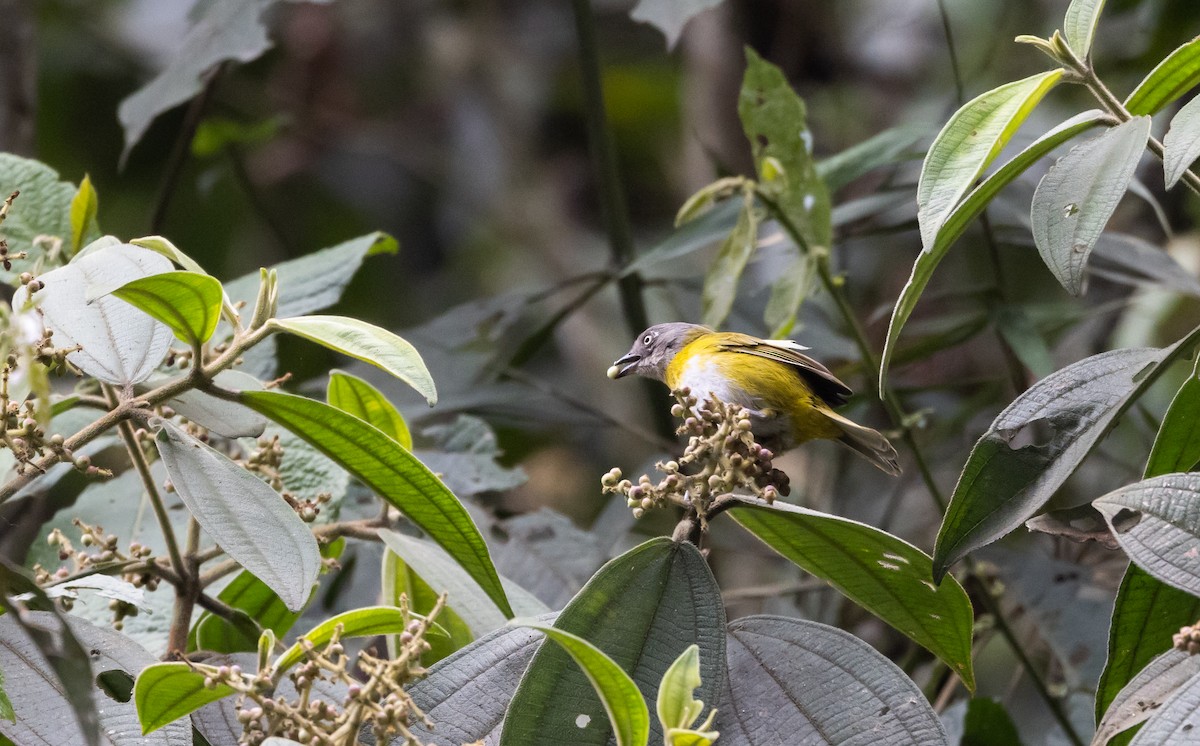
366	342
623	703
886	148
972	138
958	220
1177	445
165	692
355	396
807	683
188	302
1181	145
1173	77
775	122
698	233
987	724
1146	692
1157	523
880	572
251	521
642	609
1077	196
392	472
1038	441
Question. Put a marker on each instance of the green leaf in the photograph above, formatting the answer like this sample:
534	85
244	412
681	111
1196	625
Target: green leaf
1146	692
1079	26
720	284
248	519
84	206
355	396
1038	441
215	134
972	138
1157	523
187	302
397	579
121	345
1173	77
1181	144
669	16
393	473
366	342
6	708
160	245
222	30
42	209
165	692
987	724
364	622
1177	445
677	709
696	234
962	215
884	149
1147	612
809	683
1077	196
775	122
642	609
884	574
627	711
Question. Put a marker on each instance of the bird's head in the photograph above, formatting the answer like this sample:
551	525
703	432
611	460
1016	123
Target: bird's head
654	350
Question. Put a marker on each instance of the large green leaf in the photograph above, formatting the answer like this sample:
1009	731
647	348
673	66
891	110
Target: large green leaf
366	342
720	284
1146	692
642	609
1177	445
355	396
1079	25
1181	144
188	302
1077	196
987	723
392	472
121	345
1038	441
84	206
1146	613
958	220
972	138
809	683
1173	77
884	574
43	209
248	519
1157	523
623	703
165	692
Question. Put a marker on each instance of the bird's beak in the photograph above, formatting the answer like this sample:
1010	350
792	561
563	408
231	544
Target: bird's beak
623	366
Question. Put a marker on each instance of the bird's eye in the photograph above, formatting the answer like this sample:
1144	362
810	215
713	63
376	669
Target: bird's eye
647	340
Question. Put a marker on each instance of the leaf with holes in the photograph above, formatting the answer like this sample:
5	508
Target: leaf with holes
1077	196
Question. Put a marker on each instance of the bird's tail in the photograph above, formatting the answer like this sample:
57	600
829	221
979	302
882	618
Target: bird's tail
868	443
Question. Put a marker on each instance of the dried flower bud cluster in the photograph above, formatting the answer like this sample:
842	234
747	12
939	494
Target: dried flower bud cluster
378	703
266	459
104	551
721	457
24	435
1188	639
7	257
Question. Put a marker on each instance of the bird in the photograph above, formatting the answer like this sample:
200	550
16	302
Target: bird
790	396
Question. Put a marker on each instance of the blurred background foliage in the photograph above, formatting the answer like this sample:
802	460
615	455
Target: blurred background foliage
459	127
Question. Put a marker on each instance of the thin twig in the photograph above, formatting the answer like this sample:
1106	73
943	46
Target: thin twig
182	149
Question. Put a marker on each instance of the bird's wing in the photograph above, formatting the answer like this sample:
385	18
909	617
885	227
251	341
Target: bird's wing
823	383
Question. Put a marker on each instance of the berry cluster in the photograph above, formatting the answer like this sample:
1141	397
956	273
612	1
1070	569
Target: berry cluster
721	457
1188	639
379	702
6	256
